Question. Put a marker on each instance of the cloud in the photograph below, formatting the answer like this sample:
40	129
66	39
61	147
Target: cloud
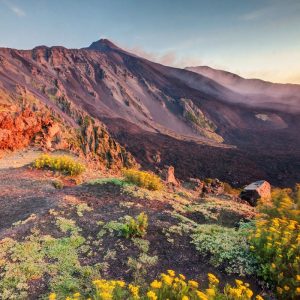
253	15
18	11
275	10
169	58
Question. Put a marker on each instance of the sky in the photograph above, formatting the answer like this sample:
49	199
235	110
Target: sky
253	38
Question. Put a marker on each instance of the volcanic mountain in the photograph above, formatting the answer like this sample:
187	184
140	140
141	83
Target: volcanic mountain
200	124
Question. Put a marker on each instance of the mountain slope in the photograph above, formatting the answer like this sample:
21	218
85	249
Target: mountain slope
144	103
285	97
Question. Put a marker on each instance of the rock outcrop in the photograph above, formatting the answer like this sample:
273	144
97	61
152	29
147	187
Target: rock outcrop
168	175
256	190
213	186
26	121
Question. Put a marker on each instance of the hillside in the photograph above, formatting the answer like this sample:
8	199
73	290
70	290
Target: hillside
186	115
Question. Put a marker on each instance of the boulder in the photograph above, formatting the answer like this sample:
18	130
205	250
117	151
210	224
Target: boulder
194	184
256	190
213	186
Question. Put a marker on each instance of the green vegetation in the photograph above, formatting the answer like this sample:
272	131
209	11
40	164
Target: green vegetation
144	179
64	164
230	190
116	181
75	248
227	248
58	184
276	243
140	264
133	227
43	255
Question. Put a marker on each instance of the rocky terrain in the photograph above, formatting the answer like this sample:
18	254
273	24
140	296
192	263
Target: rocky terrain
33	209
91	206
234	135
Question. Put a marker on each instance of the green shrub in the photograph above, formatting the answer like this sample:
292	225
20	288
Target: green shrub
135	227
227	248
64	164
58	184
230	190
115	181
144	179
276	243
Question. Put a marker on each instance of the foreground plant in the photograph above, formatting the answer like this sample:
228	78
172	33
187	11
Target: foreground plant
65	164
135	227
276	243
169	286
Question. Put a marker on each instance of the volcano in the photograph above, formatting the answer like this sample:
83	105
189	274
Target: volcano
205	122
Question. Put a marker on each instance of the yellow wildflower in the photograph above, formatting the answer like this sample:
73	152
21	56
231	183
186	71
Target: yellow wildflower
211	292
134	290
258	297
171	273
212	279
106	296
185	298
76	295
249	293
201	295
156	284
120	283
167	279
193	284
52	296
239	282
181	276
151	295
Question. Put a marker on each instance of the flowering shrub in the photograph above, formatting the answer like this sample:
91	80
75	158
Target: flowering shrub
65	164
276	243
169	286
144	179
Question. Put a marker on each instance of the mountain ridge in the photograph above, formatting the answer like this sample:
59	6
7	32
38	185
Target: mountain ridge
164	104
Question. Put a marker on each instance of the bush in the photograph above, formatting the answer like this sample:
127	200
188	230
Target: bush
135	227
64	164
227	248
230	190
169	286
58	184
143	179
276	243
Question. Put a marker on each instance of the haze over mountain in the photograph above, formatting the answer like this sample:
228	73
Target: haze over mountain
263	93
203	121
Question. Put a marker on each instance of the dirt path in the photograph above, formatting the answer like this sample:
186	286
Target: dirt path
19	159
